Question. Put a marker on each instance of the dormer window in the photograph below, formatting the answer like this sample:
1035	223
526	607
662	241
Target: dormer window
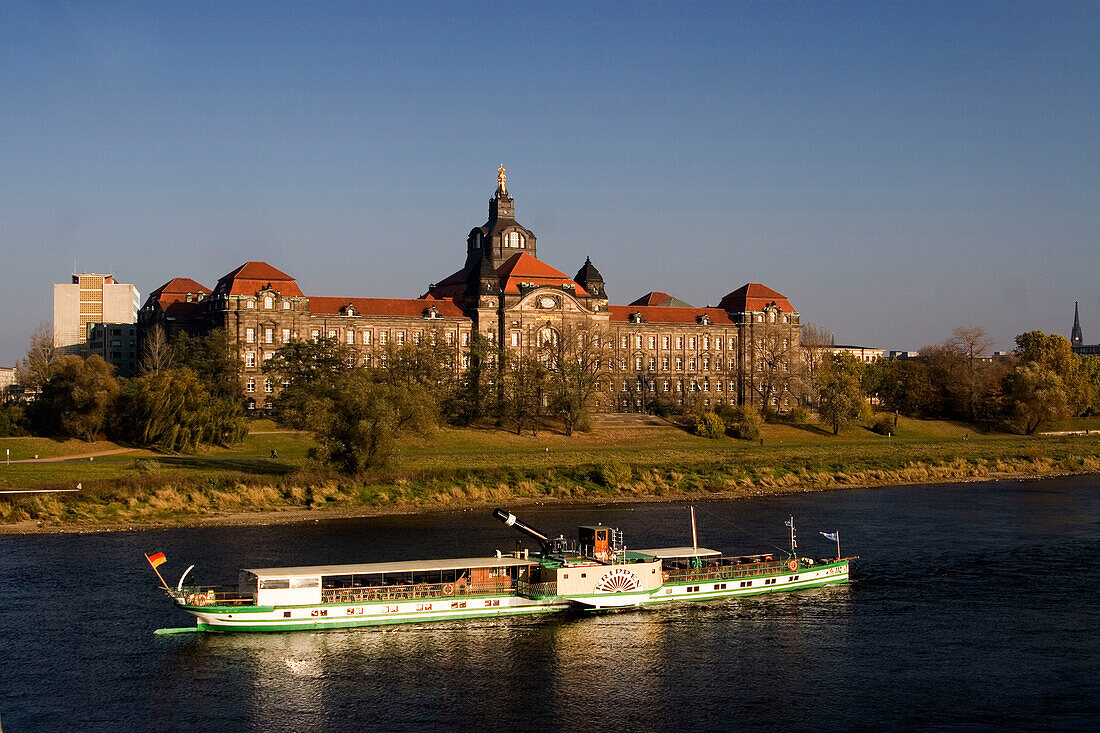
513	240
637	318
432	312
286	305
348	310
703	320
269	302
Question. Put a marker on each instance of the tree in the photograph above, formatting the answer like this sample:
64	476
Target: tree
525	385
905	386
76	399
157	353
572	357
842	398
1053	351
216	361
781	367
813	341
172	409
972	344
357	421
473	398
42	357
1037	395
308	370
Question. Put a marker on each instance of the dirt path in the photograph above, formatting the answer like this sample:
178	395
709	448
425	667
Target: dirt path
77	457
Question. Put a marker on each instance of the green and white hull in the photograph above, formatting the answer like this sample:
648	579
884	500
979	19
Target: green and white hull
683	586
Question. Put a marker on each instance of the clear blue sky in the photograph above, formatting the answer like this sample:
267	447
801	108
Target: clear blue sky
894	169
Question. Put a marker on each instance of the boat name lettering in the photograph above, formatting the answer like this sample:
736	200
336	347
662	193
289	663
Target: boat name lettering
458	604
319	612
390	609
355	611
423	606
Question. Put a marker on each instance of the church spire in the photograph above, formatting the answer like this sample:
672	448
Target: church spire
1075	337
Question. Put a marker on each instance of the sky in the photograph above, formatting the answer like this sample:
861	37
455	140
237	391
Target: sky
895	169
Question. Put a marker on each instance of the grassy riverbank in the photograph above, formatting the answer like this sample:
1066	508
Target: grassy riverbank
474	467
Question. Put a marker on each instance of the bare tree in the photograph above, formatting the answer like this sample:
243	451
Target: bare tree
157	353
41	360
971	343
815	342
572	357
779	367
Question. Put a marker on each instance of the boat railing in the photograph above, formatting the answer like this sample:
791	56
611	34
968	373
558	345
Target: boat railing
380	593
212	595
724	572
536	590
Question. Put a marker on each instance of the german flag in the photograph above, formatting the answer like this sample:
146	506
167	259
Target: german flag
156	559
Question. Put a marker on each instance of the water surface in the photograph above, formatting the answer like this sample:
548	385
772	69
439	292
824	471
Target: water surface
973	607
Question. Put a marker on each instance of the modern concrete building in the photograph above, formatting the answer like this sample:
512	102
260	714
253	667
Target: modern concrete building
95	299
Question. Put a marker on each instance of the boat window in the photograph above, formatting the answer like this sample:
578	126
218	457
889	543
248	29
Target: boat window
337	581
305	583
274	583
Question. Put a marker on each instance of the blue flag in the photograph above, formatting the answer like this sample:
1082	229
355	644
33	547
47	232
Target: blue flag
835	536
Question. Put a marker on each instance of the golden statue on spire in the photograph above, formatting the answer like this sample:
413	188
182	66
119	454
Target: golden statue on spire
500	178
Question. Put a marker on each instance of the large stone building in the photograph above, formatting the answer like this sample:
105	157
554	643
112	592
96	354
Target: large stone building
657	347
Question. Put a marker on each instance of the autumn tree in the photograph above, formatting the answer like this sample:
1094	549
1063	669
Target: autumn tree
841	398
356	420
76	400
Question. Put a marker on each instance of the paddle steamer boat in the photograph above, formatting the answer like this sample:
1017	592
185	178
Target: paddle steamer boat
595	572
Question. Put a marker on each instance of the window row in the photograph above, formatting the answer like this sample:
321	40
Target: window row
667	363
349	336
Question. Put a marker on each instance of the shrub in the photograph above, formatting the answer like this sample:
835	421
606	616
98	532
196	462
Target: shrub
800	415
884	425
709	425
614	474
747	423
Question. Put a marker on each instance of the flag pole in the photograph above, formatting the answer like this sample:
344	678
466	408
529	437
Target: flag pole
694	539
838	545
158	573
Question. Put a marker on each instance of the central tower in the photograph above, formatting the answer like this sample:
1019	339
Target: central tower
501	237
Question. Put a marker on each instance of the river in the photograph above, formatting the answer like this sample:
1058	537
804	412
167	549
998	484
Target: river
973	607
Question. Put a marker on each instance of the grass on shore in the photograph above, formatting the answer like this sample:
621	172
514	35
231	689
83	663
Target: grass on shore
475	466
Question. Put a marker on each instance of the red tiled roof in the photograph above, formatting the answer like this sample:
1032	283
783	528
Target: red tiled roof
171	297
251	277
666	314
451	286
658	298
523	268
752	297
395	307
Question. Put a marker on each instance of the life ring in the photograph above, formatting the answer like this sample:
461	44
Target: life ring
793	564
200	601
448	590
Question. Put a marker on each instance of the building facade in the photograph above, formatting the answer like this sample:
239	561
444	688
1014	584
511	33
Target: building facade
655	348
90	302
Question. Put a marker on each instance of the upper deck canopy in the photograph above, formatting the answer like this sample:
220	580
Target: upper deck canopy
458	563
663	552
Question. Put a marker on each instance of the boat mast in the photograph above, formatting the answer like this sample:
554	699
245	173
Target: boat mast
694	539
794	542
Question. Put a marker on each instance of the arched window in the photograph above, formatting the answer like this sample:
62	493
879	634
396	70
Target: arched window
514	240
269	302
548	336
